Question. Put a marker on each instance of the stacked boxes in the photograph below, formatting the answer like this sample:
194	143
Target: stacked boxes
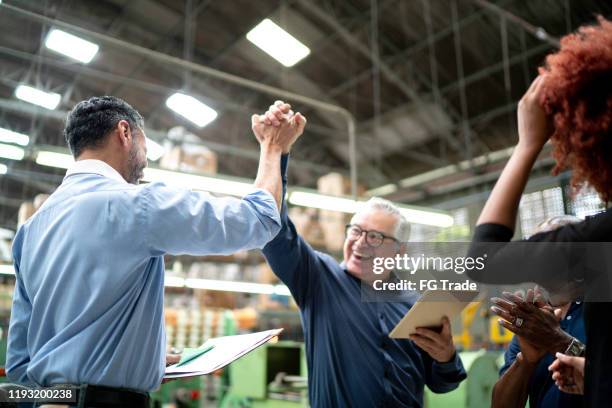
28	208
333	223
190	158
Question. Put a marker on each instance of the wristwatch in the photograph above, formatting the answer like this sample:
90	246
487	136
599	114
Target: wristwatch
576	348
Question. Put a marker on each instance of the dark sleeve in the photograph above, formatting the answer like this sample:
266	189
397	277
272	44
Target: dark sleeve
558	260
289	256
597	228
510	355
443	377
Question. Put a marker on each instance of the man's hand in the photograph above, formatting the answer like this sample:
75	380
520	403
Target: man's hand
537	327
533	123
438	345
172	359
568	373
279	125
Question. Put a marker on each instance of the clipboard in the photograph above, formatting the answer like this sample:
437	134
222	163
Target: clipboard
429	310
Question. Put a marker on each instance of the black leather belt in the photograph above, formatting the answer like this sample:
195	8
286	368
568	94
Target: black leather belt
96	396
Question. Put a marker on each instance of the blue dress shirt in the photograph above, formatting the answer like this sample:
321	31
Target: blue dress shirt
543	393
88	302
352	361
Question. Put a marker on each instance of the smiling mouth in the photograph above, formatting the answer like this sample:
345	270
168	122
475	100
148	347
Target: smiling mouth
361	257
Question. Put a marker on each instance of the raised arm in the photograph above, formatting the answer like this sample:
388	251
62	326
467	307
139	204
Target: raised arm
502	205
182	221
289	256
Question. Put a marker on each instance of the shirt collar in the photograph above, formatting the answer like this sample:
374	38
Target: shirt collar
91	166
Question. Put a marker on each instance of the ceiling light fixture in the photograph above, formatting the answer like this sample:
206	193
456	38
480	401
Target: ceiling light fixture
192	109
195	182
7	270
71	46
8	136
48	100
154	150
347	205
278	43
54	159
11	152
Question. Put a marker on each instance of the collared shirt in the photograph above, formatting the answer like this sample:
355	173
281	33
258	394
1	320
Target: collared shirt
543	393
88	301
352	361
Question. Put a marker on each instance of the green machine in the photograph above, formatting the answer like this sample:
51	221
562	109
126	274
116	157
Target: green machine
272	376
475	391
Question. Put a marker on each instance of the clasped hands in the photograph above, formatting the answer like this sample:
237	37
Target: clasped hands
279	126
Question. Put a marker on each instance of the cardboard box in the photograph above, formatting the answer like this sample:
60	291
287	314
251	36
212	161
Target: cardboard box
307	225
190	158
26	210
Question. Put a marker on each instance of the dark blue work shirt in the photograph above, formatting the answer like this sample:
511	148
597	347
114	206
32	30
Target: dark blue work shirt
543	392
352	361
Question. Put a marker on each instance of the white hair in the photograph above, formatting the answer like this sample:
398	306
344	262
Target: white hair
402	226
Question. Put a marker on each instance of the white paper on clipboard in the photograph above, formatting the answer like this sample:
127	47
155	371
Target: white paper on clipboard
226	350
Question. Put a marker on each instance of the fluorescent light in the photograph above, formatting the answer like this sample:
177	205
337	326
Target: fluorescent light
174	281
324	202
3	168
435	219
382	190
347	205
192	109
194	182
11	152
154	150
8	136
71	46
48	100
226	286
242	287
277	43
53	159
7	270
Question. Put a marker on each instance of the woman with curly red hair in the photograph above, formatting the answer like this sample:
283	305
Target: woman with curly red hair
570	103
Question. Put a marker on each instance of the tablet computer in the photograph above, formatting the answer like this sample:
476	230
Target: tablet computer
429	310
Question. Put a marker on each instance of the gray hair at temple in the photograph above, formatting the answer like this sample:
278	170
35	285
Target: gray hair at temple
402	227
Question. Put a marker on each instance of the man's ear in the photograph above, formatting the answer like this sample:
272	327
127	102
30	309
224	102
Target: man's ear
403	248
124	132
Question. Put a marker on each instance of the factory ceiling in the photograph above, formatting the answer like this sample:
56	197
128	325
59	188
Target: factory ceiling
429	82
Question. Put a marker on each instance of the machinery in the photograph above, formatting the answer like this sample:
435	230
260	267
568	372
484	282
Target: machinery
273	376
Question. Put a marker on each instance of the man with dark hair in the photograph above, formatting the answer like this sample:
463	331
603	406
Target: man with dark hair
88	302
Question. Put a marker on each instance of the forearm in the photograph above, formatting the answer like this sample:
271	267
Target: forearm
512	389
268	173
502	205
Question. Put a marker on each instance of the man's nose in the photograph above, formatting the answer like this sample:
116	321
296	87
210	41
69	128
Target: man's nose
361	241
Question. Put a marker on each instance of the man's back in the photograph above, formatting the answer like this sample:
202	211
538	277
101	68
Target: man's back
88	302
84	272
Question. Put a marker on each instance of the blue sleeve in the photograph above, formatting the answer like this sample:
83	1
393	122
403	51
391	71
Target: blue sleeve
510	355
289	256
17	356
443	377
181	221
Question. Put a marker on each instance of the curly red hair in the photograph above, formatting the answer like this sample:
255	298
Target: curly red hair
577	95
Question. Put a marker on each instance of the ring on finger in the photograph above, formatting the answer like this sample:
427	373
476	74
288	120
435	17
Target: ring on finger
518	321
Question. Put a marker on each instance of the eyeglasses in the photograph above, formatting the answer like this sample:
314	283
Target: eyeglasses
373	238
